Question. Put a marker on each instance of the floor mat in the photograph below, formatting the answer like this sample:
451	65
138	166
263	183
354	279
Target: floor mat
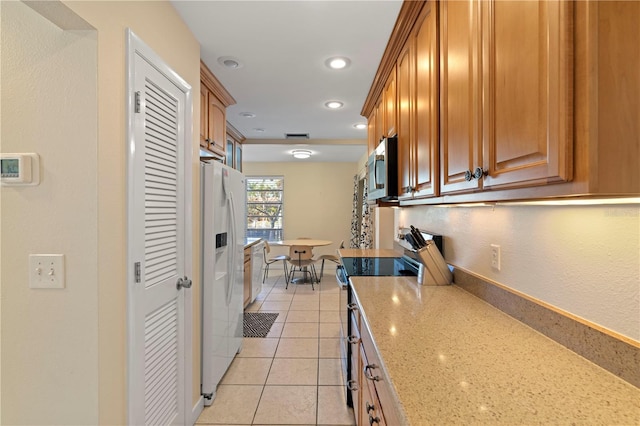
258	324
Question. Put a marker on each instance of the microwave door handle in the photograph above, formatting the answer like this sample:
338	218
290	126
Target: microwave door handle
375	173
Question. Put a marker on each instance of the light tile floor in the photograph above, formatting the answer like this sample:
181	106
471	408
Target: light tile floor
293	376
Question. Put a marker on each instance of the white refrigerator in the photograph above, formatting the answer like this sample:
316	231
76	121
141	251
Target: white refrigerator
223	238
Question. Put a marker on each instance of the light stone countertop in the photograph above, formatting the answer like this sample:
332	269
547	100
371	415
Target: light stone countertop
453	359
348	252
250	242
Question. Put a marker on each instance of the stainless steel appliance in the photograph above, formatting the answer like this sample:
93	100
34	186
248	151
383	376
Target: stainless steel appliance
382	170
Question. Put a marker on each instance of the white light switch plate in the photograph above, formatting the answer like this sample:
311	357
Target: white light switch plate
46	271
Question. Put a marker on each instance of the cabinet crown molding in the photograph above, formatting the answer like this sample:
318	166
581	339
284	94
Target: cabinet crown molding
210	80
407	17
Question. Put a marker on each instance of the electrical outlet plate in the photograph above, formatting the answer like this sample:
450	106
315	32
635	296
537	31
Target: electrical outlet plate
495	256
46	271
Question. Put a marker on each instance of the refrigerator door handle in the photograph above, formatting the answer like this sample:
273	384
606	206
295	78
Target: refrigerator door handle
232	257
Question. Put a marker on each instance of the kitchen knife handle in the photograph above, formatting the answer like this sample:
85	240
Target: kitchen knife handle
421	239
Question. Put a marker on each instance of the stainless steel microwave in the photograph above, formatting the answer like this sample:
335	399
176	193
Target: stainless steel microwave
382	171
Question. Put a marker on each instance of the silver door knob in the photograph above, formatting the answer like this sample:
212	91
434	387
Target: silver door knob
183	283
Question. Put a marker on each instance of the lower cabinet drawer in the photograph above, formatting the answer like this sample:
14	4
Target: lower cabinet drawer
370	409
373	375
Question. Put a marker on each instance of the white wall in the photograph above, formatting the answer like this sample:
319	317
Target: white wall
318	199
582	259
66	363
49	337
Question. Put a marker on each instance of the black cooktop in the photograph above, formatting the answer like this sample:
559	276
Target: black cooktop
377	266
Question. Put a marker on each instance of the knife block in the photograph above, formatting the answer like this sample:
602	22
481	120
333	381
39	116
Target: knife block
435	271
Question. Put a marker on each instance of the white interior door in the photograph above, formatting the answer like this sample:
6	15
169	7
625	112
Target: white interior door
158	233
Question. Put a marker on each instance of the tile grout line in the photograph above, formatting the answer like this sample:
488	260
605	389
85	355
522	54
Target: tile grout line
264	386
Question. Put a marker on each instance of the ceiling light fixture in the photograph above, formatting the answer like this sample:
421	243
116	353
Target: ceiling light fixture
258	129
301	153
334	104
230	62
337	62
247	114
360	126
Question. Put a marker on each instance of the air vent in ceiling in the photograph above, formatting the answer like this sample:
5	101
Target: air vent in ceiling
296	135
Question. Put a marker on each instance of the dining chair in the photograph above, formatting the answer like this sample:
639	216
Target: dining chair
301	257
269	260
331	257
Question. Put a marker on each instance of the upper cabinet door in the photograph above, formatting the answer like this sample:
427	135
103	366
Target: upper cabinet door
406	137
426	104
217	124
527	84
371	132
390	105
204	121
379	122
460	95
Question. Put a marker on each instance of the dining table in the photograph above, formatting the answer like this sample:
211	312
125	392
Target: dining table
305	242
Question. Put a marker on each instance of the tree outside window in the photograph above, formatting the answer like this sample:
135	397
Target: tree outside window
264	207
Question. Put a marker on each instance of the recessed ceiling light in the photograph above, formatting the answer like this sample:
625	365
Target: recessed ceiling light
360	126
230	62
334	104
247	114
257	129
337	63
301	153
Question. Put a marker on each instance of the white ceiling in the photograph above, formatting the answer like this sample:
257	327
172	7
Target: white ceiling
282	47
320	153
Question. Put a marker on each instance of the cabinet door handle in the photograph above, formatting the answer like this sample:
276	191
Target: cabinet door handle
352	385
370	407
353	339
368	374
352	307
373	420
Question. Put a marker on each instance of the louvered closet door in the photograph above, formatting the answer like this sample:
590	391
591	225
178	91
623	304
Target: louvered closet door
157	358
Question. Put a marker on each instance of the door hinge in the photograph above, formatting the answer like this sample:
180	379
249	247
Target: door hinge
136	271
137	102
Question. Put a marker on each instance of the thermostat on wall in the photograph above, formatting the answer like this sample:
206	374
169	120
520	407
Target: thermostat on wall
20	169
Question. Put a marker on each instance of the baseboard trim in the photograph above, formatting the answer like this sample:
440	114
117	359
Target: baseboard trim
616	354
197	410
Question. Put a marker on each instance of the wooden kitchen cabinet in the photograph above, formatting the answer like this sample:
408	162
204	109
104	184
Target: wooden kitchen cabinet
370	389
528	89
379	122
216	123
506	84
406	74
538	99
389	102
460	94
376	125
214	100
234	141
371	132
417	87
